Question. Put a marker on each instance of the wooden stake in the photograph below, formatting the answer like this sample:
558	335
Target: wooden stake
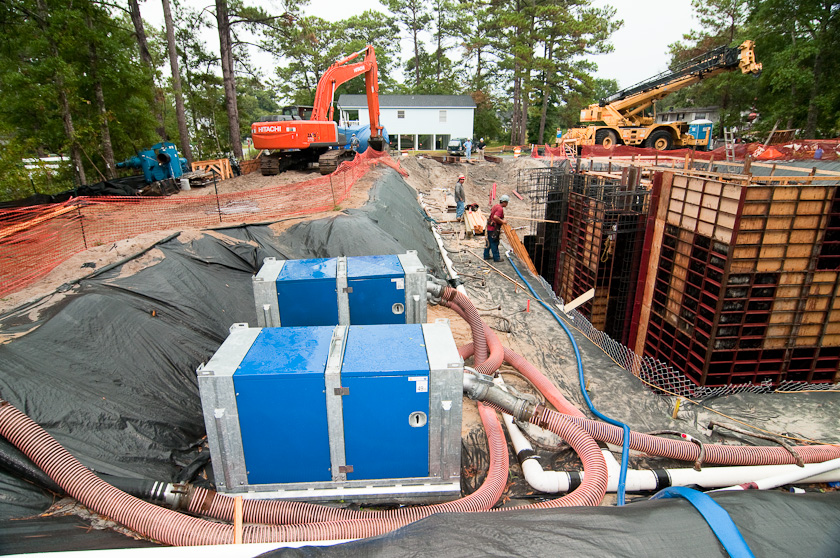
237	520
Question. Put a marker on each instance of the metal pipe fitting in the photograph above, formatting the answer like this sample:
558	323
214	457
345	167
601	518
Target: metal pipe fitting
481	388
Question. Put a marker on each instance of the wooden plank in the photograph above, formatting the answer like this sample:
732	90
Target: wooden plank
220	166
518	247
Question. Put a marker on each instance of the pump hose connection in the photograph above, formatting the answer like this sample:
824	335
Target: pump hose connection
287	521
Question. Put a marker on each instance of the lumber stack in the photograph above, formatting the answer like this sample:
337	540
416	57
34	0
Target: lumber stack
220	166
518	248
474	221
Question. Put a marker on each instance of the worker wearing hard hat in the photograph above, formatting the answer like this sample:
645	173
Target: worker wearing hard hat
494	229
354	143
460	197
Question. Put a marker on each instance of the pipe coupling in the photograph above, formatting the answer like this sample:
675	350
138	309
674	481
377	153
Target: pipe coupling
481	388
433	292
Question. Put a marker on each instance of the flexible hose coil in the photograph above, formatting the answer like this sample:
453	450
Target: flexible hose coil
715	453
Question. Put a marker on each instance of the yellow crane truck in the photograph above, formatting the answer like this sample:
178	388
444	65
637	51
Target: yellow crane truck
620	119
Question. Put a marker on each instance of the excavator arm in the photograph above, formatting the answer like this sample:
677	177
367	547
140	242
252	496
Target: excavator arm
342	71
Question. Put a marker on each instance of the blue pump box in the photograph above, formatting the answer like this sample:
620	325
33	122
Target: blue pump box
358	290
356	413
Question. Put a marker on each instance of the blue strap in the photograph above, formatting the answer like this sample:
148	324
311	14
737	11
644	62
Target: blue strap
718	519
625	440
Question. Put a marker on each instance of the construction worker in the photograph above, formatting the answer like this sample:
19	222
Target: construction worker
479	148
494	229
468	148
460	198
354	143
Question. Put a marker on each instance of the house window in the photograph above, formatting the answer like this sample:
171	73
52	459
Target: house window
400	114
443	116
700	116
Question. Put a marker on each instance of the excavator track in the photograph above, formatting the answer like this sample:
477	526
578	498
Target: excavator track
270	164
328	162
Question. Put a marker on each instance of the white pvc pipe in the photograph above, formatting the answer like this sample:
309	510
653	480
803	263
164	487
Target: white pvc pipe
805	474
450	270
647	481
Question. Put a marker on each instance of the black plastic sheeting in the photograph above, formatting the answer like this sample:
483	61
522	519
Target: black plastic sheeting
108	367
127	186
773	524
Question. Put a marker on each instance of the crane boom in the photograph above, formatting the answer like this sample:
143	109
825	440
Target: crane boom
623	113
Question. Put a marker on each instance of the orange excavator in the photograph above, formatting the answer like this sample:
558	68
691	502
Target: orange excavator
292	143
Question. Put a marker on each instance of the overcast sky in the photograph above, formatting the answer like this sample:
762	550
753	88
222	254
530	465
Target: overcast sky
641	45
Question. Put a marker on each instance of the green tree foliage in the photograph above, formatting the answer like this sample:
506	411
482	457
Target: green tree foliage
46	59
795	41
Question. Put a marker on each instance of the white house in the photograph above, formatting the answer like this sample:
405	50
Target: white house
415	121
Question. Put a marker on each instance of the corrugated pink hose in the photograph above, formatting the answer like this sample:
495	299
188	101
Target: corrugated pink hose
715	453
663	447
177	529
279	512
173	528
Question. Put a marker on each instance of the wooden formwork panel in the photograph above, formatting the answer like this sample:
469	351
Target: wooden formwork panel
808	336
822	289
780	317
758	193
768	266
771	252
742	257
795	279
816	192
675	207
779	223
825	277
811	207
833	327
806	222
781	193
813	316
784	305
799	251
775	237
830	340
755	209
797	264
750	224
783	208
693	197
803	236
779	342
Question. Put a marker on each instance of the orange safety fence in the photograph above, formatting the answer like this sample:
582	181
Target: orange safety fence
34	240
794	150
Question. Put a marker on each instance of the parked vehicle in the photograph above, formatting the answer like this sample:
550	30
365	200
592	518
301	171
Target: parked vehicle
456	147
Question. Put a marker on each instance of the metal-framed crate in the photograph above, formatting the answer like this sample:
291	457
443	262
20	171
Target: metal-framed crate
358	290
356	413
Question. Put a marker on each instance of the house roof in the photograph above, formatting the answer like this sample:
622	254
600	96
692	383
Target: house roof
408	101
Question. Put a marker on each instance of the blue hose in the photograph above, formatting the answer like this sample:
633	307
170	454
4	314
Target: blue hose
718	519
625	442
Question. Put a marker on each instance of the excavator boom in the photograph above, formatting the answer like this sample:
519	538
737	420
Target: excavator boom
296	143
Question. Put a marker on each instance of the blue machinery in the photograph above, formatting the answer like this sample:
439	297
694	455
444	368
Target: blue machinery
336	412
345	290
158	163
